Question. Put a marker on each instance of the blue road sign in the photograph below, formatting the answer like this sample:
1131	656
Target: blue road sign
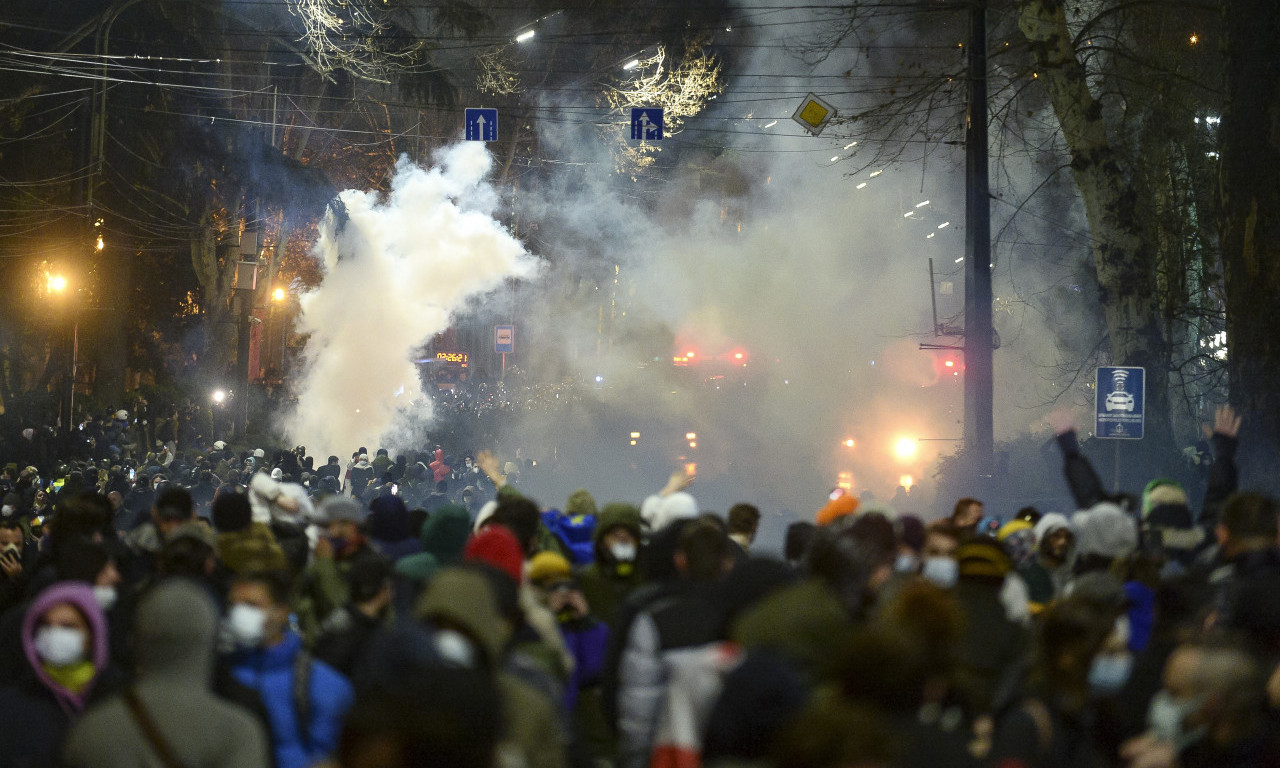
482	124
1121	402
504	338
646	124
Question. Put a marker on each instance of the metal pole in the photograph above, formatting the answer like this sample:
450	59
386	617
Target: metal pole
978	337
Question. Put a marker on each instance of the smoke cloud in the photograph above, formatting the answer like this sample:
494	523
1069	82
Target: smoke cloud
395	272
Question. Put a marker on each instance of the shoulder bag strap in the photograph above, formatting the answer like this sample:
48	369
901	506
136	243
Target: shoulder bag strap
150	730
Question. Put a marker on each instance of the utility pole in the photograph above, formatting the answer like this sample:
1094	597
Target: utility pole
979	442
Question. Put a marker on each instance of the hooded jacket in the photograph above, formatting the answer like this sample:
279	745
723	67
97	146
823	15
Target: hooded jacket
270	671
176	628
440	470
443	536
532	732
253	549
36	710
604	583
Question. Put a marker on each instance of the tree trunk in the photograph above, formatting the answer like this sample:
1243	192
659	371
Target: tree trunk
1250	187
1123	250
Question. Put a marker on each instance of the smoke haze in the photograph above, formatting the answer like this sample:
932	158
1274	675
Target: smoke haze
395	271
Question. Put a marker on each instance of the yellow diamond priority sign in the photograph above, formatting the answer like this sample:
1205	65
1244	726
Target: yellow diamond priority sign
814	114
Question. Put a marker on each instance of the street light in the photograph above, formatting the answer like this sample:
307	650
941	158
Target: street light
278	294
57	283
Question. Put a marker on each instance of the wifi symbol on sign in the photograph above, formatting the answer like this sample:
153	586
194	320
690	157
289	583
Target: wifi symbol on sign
1118	378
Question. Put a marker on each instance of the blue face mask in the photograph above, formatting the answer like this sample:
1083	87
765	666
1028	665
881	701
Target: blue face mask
1109	672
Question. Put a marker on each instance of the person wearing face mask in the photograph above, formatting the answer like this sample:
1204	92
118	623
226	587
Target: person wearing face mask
17	561
606	582
65	645
305	698
324	582
177	624
1046	721
1211	712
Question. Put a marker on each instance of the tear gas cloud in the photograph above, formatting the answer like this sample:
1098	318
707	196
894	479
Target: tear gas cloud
810	257
395	272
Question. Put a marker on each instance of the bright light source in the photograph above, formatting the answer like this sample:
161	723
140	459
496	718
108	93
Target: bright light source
930	235
278	294
633	442
57	283
691	469
689	354
635	435
1194	38
770	125
908	214
599	379
959	259
860	186
944	225
950	363
691	436
851	144
906	481
835	158
693	443
219	396
848	443
844	481
737	355
921	205
630	65
99	244
875	174
905	448
527	35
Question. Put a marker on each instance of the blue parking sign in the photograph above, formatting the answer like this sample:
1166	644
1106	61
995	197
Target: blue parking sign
1121	400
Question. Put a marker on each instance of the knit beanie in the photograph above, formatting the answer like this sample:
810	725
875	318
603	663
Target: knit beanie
581	502
497	546
549	567
1105	530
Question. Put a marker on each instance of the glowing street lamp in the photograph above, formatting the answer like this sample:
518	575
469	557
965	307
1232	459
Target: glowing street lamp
905	448
278	294
219	397
57	283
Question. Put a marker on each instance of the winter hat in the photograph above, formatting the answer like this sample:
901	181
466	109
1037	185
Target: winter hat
258	453
122	415
497	546
277	474
549	567
1051	522
836	508
337	508
677	506
1105	530
231	512
983	556
580	502
1019	540
1162	491
219	445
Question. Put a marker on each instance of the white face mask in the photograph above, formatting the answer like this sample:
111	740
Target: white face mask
943	571
906	563
455	647
106	597
1166	717
623	551
60	646
247	625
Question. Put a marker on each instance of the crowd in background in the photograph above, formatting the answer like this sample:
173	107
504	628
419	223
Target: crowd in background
199	605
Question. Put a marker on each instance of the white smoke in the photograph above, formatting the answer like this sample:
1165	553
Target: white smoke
395	271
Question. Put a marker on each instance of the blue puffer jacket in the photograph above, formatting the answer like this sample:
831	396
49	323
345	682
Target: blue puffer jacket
269	671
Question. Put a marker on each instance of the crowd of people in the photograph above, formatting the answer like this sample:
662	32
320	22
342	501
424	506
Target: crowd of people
222	607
